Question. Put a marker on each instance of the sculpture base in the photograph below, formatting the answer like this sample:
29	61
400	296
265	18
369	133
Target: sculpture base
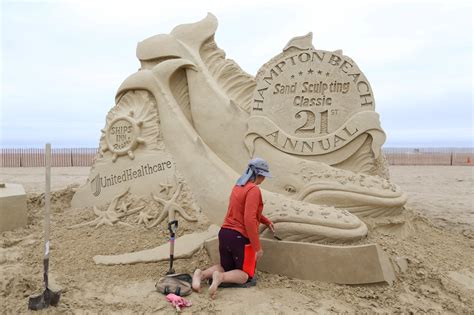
336	264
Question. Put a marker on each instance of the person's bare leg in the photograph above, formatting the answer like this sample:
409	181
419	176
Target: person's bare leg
200	275
233	276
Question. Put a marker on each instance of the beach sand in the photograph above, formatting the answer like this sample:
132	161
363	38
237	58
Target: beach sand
435	235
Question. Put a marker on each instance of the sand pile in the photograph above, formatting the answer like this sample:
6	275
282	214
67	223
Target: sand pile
433	264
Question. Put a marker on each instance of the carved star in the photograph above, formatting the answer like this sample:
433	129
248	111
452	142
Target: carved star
320	72
166	188
292	76
300	73
310	71
110	216
327	74
107	217
124	207
170	207
144	217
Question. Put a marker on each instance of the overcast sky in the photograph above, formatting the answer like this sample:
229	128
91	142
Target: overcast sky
62	61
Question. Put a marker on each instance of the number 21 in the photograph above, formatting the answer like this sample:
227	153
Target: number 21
309	125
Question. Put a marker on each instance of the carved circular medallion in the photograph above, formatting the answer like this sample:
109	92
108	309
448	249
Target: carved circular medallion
122	135
311	102
311	93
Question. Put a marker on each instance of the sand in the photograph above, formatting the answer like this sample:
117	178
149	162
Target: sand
435	238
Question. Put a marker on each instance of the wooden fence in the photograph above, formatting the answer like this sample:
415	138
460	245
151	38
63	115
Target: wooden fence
429	156
61	157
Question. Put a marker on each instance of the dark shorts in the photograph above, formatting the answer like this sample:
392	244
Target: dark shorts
233	252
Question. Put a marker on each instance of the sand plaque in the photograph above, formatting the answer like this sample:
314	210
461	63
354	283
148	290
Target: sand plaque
310	102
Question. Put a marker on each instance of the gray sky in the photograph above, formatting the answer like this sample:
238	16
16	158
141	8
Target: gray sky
62	61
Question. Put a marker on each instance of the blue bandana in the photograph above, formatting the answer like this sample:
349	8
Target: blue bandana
256	167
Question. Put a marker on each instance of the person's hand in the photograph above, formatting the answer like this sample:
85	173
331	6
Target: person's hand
271	227
259	254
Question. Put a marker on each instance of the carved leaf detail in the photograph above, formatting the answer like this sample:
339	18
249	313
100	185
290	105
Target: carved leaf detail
235	82
179	88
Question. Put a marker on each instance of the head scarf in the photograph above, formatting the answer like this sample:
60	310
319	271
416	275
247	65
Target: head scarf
255	167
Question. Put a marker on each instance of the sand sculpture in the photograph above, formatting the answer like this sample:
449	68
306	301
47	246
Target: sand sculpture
310	113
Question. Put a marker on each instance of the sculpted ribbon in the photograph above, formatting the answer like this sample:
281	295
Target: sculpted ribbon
359	123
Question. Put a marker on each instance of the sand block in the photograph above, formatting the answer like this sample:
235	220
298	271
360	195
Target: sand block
185	246
308	261
12	207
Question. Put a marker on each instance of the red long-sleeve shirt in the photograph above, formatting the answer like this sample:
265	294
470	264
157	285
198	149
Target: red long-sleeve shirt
245	212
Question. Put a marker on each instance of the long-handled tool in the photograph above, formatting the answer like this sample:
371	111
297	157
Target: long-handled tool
48	297
172	227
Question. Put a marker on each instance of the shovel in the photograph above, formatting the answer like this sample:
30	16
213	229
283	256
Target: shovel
48	297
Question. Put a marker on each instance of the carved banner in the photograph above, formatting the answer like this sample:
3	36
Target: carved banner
362	122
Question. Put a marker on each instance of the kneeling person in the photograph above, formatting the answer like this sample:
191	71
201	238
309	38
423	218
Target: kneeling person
239	241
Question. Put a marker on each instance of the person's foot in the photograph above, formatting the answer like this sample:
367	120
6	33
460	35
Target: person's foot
197	280
217	278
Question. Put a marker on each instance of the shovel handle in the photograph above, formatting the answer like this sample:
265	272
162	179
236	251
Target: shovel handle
45	273
47	206
172	227
47	199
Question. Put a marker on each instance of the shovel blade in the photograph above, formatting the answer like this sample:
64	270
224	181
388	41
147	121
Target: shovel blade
47	298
